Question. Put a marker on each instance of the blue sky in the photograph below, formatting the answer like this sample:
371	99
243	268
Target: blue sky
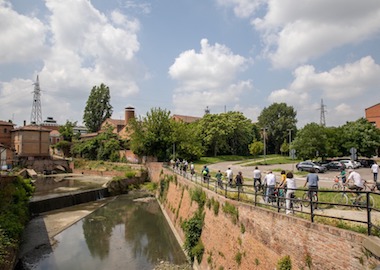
185	55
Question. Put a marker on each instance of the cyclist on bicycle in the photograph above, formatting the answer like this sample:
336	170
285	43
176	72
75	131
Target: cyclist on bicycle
312	180
358	182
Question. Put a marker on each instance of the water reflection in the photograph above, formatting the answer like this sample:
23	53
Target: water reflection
124	234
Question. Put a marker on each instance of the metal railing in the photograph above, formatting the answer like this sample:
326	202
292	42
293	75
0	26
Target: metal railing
305	205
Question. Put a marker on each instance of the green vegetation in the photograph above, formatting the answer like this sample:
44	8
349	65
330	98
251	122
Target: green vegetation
193	230
271	160
14	198
199	196
98	108
285	263
231	210
238	257
101	165
242	228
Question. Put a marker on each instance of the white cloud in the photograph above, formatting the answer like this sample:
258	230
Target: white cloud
22	38
295	32
337	87
208	78
86	48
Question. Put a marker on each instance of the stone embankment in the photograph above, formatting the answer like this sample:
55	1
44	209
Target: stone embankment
258	238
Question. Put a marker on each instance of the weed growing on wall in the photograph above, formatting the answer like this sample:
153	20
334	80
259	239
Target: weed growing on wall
215	207
231	210
199	196
238	257
285	263
308	260
193	230
242	228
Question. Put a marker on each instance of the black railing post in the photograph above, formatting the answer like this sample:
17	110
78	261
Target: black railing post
311	207
369	224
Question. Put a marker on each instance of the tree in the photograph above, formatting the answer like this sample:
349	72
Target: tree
311	141
226	133
256	148
67	130
361	135
187	143
152	135
98	108
278	118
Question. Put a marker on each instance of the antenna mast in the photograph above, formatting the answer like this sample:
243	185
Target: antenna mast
36	115
322	119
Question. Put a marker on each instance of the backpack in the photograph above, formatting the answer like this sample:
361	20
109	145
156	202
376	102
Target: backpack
204	172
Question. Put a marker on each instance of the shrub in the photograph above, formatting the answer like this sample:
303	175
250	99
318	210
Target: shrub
232	211
284	263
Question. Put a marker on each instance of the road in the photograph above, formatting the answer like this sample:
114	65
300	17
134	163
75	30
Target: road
325	179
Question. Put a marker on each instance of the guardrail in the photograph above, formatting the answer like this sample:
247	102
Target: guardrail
326	199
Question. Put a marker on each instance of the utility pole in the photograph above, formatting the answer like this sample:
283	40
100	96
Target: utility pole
265	146
36	115
322	120
290	138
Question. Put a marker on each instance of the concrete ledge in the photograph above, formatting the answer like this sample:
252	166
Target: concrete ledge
372	244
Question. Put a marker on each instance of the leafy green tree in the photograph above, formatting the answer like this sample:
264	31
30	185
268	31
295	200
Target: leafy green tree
187	143
334	136
256	148
311	141
284	147
98	108
361	135
105	146
278	118
152	135
226	133
67	130
213	131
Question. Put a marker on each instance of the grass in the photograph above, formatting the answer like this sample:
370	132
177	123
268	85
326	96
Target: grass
271	160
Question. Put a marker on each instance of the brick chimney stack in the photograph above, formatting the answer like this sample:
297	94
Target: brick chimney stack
129	114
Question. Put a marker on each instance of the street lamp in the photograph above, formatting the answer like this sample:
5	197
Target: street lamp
265	147
290	138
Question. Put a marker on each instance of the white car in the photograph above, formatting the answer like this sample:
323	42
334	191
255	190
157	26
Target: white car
349	164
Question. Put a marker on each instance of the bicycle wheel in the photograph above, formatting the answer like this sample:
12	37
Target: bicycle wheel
340	198
305	200
361	202
336	186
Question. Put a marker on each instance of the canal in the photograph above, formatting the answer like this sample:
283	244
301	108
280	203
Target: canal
129	232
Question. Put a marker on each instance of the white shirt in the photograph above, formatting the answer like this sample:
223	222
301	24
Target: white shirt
355	176
229	174
291	183
375	168
256	174
270	179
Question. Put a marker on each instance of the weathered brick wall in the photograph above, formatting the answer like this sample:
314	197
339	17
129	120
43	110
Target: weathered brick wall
268	235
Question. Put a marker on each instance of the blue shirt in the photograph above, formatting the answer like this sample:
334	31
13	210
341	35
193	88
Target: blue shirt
312	179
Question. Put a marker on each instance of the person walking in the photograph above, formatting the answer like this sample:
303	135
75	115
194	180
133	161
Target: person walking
218	177
375	171
270	180
290	183
239	180
230	176
256	178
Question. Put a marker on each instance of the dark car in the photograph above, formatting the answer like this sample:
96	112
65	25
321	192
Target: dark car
335	165
366	163
308	165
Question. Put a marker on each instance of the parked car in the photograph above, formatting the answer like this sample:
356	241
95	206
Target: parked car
349	164
308	165
366	163
335	165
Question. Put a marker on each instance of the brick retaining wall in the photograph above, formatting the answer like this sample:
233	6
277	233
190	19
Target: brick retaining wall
268	235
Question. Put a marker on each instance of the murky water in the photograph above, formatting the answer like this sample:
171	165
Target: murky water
124	234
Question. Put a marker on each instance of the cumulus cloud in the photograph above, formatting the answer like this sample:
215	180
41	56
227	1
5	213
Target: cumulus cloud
295	32
85	48
207	78
22	38
337	87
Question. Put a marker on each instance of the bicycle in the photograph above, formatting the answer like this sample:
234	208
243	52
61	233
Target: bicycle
306	199
354	198
337	184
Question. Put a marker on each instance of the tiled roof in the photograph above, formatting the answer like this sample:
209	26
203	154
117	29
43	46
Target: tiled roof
32	128
4	123
185	118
